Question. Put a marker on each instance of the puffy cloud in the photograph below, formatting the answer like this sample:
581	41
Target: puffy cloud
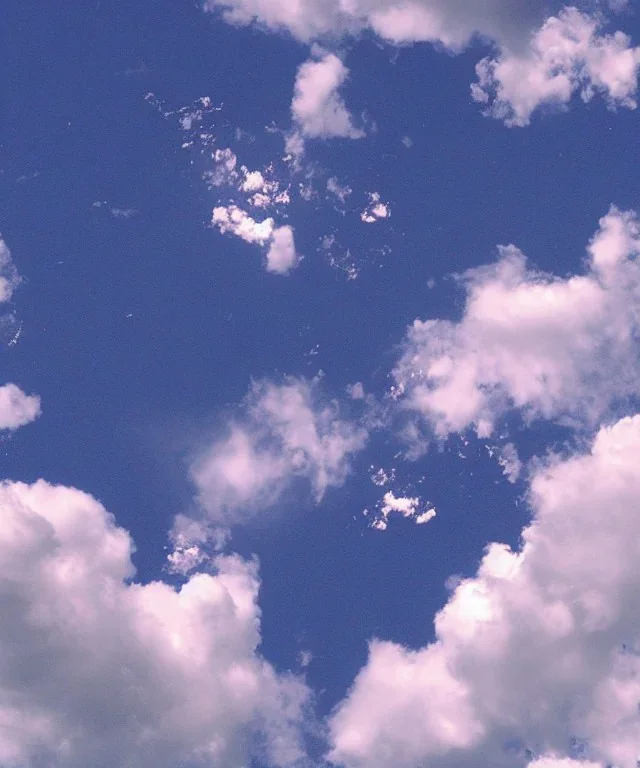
566	55
318	110
541	59
407	506
284	431
96	669
550	347
451	23
281	256
540	647
317	107
375	210
17	408
233	220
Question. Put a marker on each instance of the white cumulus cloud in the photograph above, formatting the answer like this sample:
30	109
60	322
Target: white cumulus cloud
97	669
451	23
542	645
317	108
410	507
283	431
16	407
568	54
281	255
549	347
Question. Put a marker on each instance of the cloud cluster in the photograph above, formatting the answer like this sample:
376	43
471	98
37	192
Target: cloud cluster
375	210
284	432
541	59
96	669
568	54
540	647
409	507
549	347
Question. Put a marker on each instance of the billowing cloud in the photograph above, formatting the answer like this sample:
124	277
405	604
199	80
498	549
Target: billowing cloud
567	55
449	23
317	108
16	407
96	669
283	432
541	59
550	347
540	647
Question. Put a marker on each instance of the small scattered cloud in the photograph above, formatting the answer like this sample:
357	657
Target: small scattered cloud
341	191
409	507
281	255
117	213
375	210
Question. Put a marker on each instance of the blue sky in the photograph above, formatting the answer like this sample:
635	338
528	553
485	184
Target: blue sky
324	318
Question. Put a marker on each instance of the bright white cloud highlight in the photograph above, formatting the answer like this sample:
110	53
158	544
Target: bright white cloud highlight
281	255
568	54
410	507
541	645
96	669
375	210
233	220
283	432
16	407
318	110
550	347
